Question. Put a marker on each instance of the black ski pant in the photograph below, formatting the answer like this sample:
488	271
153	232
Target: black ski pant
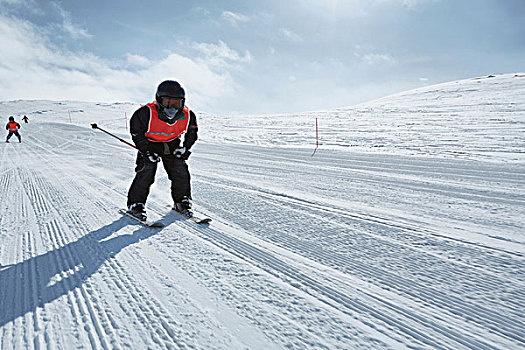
145	171
11	133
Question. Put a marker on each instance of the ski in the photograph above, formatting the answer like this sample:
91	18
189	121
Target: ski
195	219
200	221
153	224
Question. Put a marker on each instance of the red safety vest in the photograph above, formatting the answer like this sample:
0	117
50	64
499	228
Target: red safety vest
13	126
159	131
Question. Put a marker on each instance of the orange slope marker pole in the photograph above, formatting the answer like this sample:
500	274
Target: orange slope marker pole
316	137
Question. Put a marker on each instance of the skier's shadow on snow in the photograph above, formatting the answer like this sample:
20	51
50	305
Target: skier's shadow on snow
47	277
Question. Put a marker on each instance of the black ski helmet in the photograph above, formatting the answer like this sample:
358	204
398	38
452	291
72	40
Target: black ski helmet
169	88
11	119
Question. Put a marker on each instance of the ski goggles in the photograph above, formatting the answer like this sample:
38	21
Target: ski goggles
172	102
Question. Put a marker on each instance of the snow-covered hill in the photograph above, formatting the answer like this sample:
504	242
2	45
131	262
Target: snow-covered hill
480	118
405	230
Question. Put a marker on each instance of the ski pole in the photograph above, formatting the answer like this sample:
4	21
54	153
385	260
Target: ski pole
95	126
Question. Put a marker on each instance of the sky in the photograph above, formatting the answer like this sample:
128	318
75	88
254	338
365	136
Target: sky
243	56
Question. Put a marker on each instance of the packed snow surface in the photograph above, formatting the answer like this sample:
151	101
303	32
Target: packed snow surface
404	230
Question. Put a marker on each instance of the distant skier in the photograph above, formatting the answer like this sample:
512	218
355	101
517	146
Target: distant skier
13	128
156	129
25	119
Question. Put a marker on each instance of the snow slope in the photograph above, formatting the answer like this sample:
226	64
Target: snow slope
405	230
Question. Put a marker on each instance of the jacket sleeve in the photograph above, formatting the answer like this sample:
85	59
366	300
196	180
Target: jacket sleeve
138	125
191	134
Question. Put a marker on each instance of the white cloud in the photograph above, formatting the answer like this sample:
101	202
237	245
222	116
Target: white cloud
202	11
414	3
33	68
376	59
234	18
68	26
360	8
137	60
74	31
406	3
221	55
288	34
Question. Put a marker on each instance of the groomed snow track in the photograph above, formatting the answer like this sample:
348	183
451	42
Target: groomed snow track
337	251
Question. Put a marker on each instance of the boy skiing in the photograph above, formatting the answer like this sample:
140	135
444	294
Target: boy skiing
157	129
13	127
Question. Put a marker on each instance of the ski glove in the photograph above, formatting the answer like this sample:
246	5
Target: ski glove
153	157
181	153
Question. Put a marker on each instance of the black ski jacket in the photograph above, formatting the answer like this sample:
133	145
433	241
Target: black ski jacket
139	123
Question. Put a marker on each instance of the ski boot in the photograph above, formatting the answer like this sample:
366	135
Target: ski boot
184	207
138	211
